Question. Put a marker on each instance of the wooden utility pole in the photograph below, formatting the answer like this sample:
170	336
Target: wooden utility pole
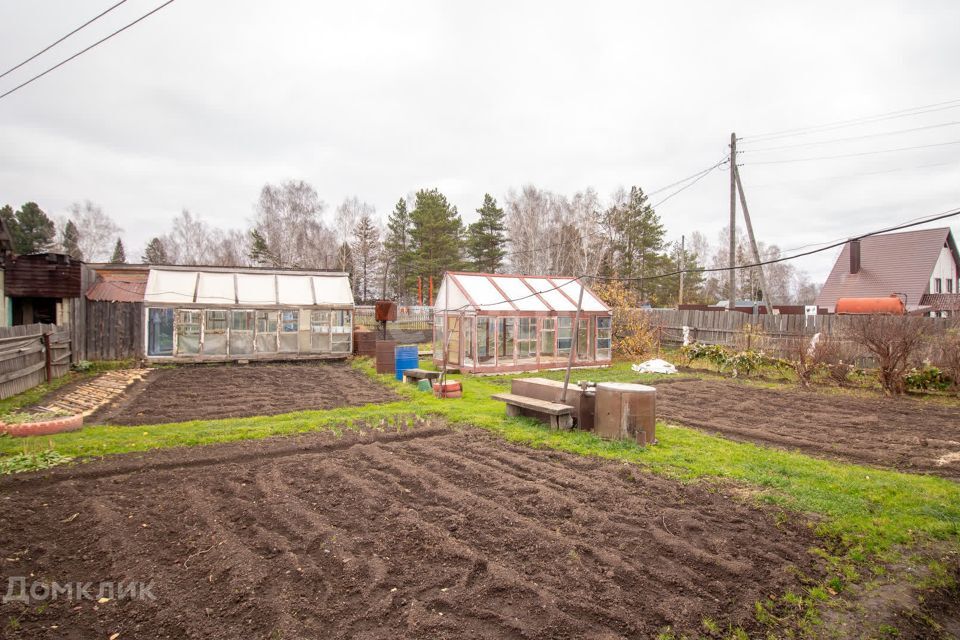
765	294
732	289
683	267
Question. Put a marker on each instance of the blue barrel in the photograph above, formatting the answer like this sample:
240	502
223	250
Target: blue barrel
406	358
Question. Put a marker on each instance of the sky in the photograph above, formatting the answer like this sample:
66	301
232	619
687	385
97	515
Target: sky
204	102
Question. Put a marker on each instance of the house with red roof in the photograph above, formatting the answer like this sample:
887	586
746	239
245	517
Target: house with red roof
922	267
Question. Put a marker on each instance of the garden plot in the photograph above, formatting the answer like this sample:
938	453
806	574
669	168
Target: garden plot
420	532
902	433
209	392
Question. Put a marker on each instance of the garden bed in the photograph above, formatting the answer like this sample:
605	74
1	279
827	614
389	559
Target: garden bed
422	532
201	392
900	433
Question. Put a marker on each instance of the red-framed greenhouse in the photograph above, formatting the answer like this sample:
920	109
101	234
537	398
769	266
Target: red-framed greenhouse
494	323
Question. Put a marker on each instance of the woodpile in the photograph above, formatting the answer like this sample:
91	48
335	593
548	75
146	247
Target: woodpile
88	397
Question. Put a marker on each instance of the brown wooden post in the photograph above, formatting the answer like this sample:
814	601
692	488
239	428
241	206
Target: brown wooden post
573	341
46	351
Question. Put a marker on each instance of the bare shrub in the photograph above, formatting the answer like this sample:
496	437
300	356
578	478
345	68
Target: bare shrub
894	341
946	354
808	356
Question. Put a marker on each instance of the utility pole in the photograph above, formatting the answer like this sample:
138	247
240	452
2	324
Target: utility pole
683	267
753	241
732	292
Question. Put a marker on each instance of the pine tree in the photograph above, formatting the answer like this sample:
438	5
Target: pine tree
396	248
155	253
259	250
435	234
366	256
30	229
638	239
119	255
486	237
70	241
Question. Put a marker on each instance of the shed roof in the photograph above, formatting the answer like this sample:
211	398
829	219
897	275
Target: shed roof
247	287
513	293
889	263
117	290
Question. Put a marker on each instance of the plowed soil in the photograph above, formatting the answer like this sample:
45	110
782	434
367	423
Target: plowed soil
422	532
209	392
900	433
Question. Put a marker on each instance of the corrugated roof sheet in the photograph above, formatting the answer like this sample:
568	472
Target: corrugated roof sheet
941	301
117	291
890	263
513	292
247	288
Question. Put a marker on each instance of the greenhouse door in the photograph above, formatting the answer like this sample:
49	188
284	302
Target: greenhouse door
160	332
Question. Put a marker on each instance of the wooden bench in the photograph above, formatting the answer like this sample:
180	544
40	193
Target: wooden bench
560	415
413	375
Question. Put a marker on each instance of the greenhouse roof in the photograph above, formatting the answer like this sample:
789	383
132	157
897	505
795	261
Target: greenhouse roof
247	287
512	293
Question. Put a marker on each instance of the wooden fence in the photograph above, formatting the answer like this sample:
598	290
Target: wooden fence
31	354
743	330
114	330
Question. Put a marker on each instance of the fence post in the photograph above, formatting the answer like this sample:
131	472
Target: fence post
46	353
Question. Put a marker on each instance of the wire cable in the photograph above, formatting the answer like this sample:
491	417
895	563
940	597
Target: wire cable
82	51
851	138
840	124
51	46
853	155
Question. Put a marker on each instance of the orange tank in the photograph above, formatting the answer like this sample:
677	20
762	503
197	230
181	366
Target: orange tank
892	305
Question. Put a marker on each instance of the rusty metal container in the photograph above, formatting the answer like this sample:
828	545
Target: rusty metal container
581	400
364	342
892	304
385	311
626	411
386	359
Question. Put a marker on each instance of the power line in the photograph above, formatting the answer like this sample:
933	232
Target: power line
852	138
767	185
696	177
941	216
840	124
51	46
853	155
82	51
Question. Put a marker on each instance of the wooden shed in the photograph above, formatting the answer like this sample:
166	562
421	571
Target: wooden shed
200	314
488	323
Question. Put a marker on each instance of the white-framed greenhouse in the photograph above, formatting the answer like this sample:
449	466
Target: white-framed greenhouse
489	323
202	314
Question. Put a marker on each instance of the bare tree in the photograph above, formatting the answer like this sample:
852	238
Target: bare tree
348	215
288	219
366	250
893	341
189	241
97	232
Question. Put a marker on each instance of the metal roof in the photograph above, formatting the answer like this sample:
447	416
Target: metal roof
513	293
889	263
247	287
117	291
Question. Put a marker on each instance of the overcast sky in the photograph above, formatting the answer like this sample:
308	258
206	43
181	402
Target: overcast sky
202	103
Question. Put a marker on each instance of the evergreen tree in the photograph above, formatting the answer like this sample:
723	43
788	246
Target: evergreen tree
396	249
155	253
70	241
259	251
637	240
486	237
30	229
434	237
119	255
